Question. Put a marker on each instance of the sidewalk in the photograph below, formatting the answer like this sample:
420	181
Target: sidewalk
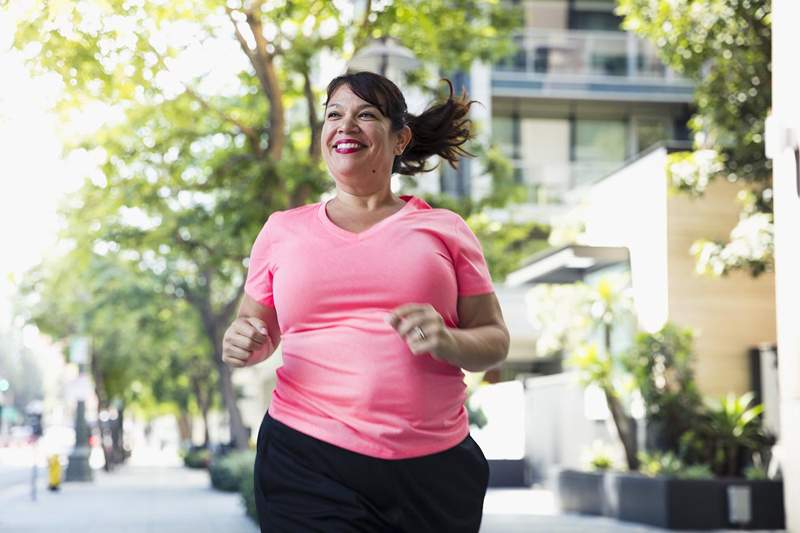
167	498
135	499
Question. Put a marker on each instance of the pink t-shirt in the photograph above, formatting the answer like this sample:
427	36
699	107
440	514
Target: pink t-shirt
348	378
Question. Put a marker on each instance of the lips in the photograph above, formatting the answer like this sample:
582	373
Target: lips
347	146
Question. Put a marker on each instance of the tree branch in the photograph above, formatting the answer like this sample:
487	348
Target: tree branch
248	131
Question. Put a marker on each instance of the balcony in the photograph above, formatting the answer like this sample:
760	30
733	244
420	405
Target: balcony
592	65
548	183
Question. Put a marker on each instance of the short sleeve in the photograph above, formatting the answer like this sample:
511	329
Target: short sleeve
260	268
472	272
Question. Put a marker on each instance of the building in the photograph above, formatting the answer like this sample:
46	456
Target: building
578	99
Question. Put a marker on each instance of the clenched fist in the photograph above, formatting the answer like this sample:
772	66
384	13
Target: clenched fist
246	342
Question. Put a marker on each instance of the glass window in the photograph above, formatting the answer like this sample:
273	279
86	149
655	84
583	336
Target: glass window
503	134
649	131
595	15
600	140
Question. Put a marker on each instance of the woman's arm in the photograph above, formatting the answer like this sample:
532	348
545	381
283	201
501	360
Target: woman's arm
253	336
479	343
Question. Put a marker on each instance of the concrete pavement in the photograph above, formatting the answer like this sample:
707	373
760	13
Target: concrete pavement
167	498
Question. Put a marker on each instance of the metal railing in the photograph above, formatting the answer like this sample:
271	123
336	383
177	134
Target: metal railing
586	54
547	183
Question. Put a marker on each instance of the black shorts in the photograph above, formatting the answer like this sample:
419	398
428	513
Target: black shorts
303	484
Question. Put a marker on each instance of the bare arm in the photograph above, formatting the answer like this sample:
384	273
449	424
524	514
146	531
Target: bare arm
253	336
480	342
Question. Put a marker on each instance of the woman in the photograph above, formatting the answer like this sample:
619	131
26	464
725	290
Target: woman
380	303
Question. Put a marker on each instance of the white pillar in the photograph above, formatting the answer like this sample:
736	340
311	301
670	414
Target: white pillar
481	115
783	132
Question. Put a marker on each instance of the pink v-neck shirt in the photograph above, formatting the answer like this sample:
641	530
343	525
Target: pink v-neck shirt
348	378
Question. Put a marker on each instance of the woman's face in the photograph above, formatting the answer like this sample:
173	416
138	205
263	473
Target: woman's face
357	140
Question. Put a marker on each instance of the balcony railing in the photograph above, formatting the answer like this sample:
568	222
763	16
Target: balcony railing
585	53
547	183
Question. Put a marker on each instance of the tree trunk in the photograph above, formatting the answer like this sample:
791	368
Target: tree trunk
185	427
102	405
239	435
118	454
204	402
625	429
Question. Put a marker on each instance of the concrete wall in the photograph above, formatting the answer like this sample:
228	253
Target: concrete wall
629	209
633	208
730	314
557	430
786	109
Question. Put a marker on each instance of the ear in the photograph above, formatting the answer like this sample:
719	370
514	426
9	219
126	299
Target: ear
403	138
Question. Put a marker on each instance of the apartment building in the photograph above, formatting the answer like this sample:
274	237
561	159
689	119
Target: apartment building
578	98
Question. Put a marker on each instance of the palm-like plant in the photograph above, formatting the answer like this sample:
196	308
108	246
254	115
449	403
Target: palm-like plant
730	434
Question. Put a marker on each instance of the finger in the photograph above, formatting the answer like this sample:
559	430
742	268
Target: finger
399	313
234	359
246	328
429	329
411	322
238	353
258	324
244	342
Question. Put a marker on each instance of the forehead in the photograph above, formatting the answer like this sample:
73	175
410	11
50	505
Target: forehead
344	96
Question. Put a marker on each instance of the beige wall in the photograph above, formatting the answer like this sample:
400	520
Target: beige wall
730	314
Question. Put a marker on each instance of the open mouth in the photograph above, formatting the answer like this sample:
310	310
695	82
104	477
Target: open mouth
347	147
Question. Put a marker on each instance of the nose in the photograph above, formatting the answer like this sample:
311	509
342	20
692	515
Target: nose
347	124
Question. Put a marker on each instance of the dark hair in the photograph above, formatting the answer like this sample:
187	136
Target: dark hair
442	129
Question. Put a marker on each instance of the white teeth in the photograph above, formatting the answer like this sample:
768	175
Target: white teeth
347	146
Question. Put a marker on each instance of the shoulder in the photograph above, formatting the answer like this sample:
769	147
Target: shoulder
291	216
439	216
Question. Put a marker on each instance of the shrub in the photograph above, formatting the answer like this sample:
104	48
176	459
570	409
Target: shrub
600	457
247	492
668	464
228	471
197	457
729	436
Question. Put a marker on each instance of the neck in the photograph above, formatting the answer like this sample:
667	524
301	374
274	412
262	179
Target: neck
372	201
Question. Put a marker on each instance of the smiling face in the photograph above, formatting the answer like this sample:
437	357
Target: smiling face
358	143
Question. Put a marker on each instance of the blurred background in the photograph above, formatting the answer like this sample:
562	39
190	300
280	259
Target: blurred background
621	191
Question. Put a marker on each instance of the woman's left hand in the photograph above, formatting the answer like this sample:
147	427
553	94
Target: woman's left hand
423	329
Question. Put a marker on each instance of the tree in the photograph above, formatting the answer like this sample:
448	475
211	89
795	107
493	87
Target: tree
724	46
609	305
191	167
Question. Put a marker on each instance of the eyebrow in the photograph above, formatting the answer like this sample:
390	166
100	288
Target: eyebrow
362	106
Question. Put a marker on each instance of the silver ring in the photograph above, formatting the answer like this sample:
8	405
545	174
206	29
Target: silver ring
419	332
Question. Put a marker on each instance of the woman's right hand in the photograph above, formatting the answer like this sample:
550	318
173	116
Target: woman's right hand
246	342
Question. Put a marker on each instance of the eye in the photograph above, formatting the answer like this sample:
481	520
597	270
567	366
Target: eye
332	113
367	114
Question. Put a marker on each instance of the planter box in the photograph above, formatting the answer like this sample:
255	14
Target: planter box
672	503
665	502
578	492
758	504
507	473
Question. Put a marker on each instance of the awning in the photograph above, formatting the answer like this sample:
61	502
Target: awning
567	264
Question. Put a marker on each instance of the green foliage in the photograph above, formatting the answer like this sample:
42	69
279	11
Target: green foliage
599	457
190	167
670	465
661	366
197	458
609	304
248	494
559	315
228	471
756	473
724	46
507	245
729	436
